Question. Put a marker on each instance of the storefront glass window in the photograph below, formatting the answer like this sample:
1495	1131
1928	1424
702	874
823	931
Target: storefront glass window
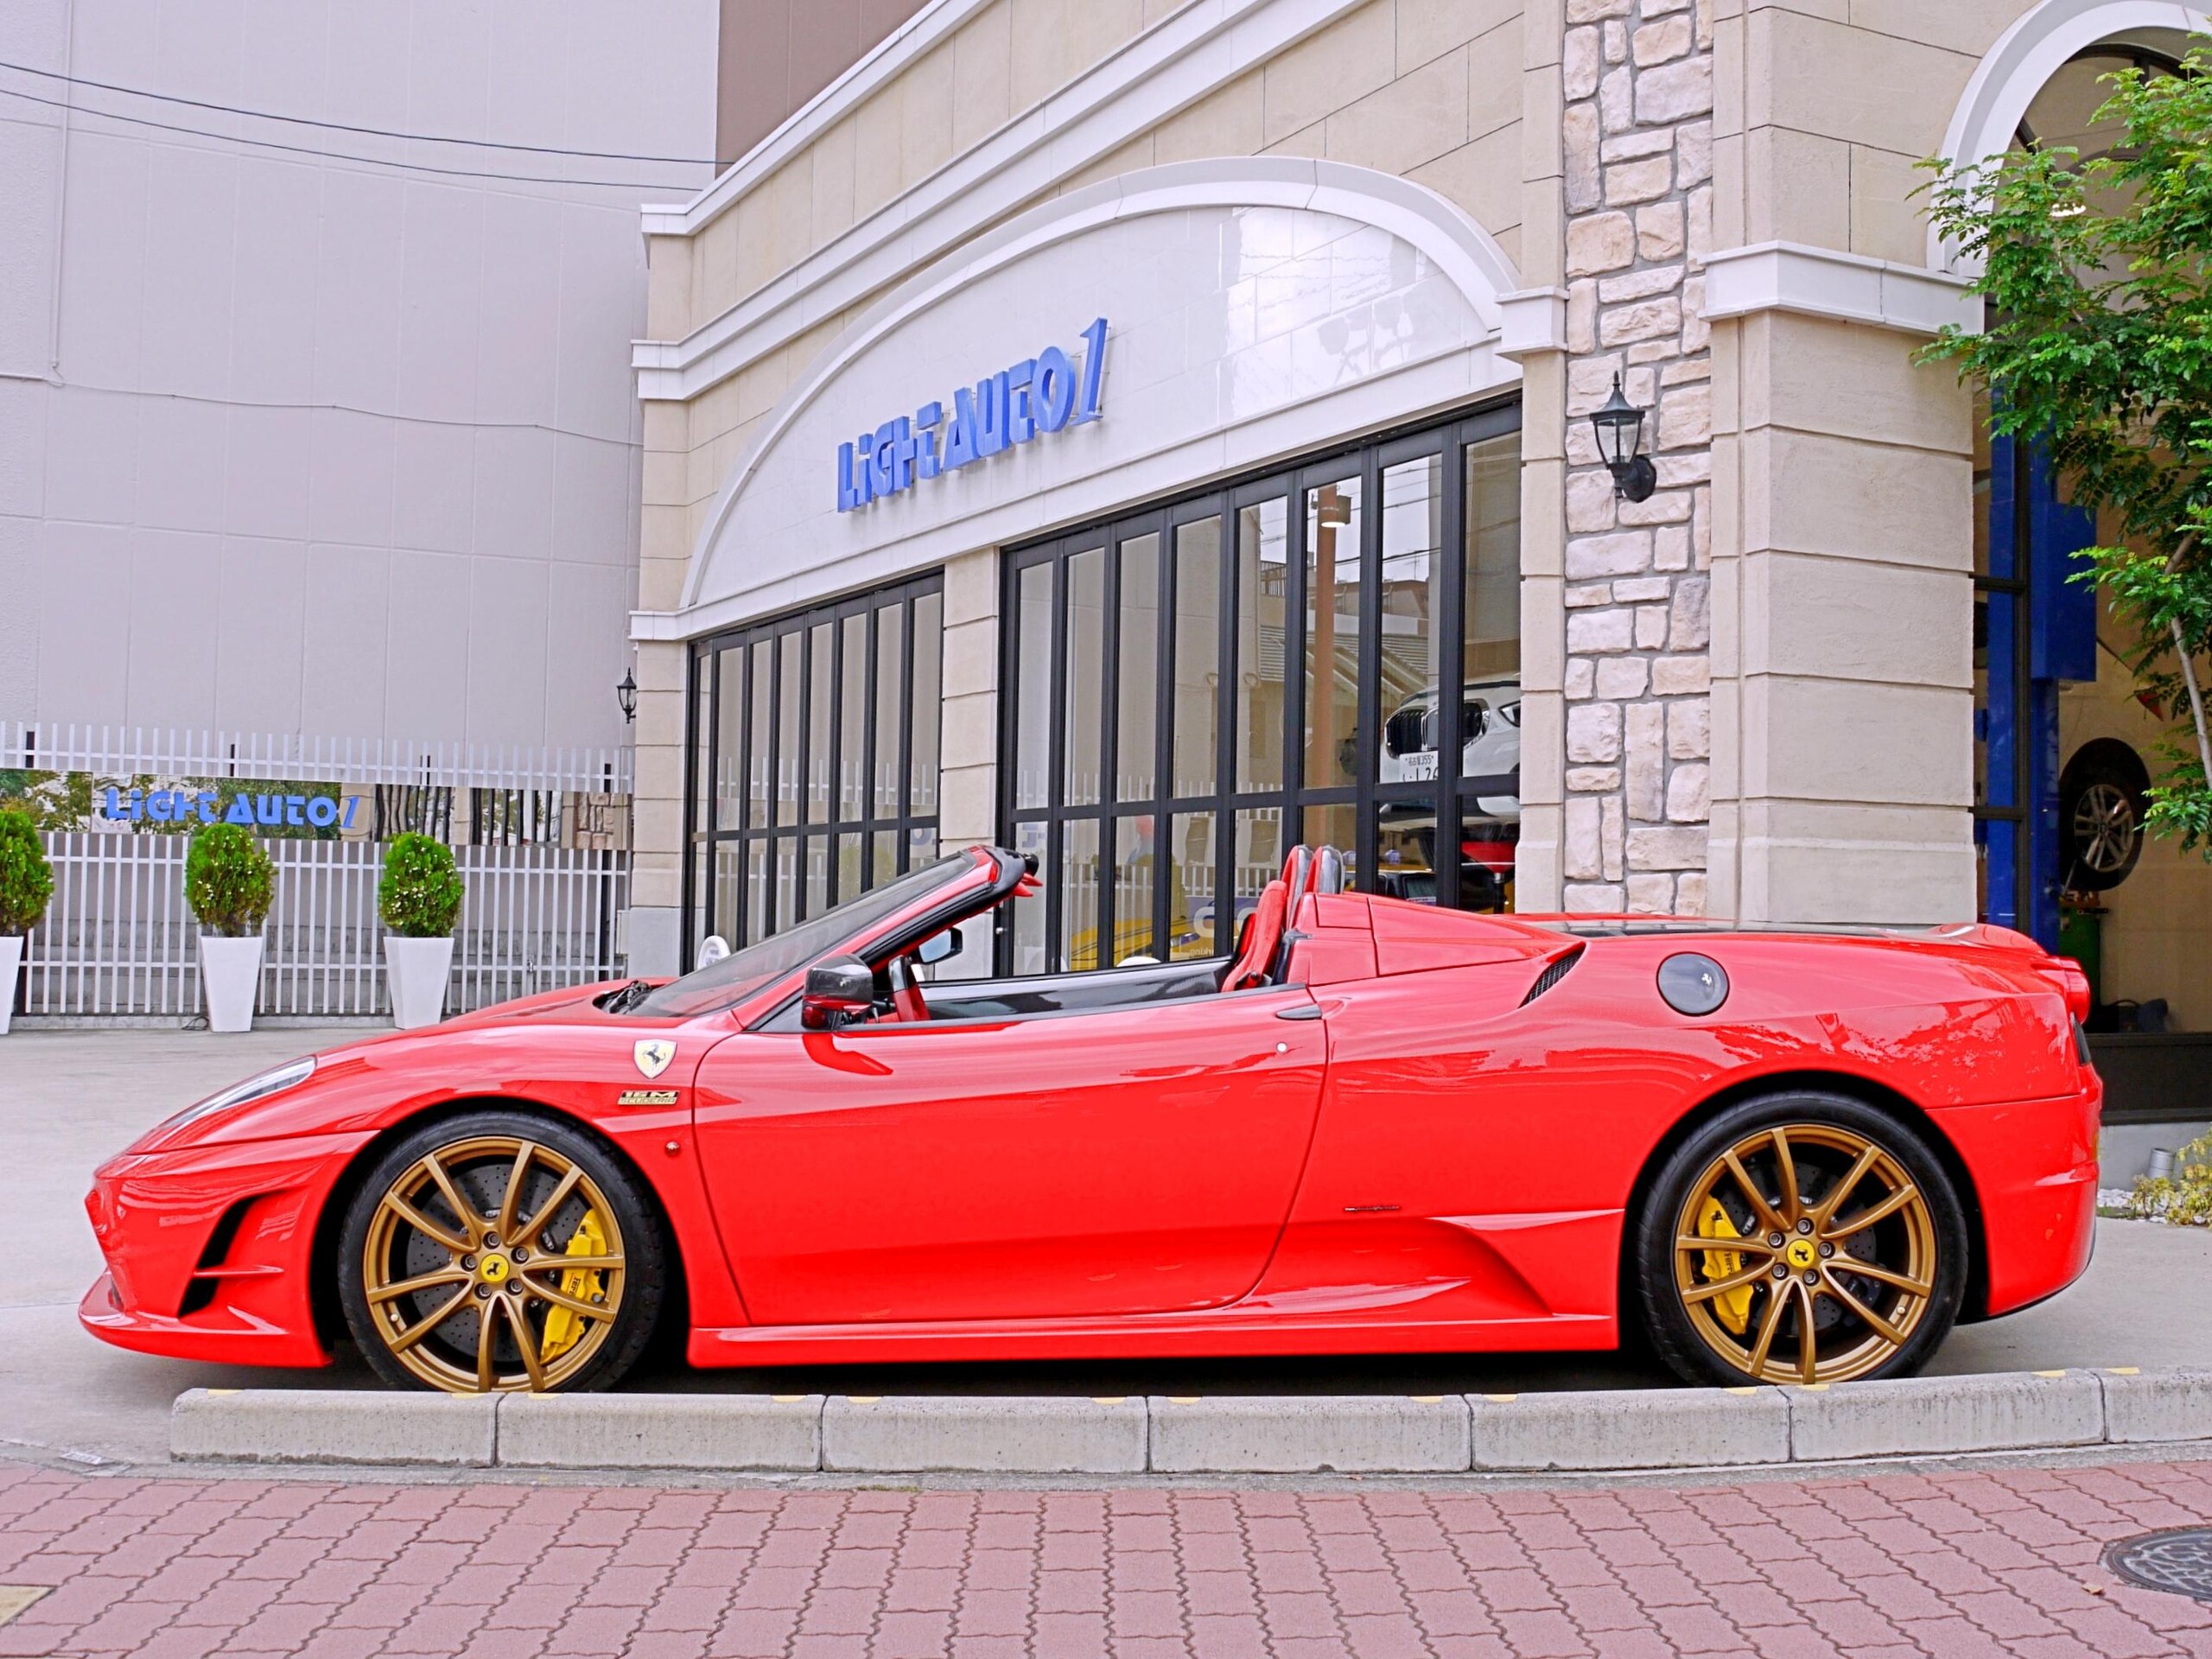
1289	686
1333	682
809	721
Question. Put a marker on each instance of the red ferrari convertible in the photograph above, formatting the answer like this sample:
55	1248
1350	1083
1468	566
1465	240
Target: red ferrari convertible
1783	1155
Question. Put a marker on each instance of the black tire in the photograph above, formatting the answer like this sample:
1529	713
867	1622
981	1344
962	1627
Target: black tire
1821	1131
637	1289
2102	796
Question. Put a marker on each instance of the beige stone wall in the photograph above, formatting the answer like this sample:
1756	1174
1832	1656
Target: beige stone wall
1636	82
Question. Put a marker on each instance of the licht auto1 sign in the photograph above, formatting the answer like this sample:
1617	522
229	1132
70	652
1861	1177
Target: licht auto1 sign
1041	394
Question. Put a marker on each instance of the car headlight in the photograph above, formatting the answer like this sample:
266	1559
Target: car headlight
287	1075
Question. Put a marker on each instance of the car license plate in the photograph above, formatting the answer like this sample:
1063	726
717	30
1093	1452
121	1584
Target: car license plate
1419	766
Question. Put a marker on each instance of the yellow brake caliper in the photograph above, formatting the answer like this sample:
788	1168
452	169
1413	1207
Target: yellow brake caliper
563	1330
1734	1306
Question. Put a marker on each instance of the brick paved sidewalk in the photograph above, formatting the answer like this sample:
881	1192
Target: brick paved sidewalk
1951	1566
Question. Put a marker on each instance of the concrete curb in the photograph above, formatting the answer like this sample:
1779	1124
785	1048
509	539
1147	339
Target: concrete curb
1594	1432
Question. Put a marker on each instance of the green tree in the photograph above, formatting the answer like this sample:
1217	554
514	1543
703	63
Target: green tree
420	895
228	880
26	879
2097	279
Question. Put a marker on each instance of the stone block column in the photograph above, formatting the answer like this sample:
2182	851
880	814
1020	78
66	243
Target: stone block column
1637	80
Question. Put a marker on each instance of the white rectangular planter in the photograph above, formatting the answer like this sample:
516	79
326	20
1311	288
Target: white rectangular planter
11	964
230	974
417	969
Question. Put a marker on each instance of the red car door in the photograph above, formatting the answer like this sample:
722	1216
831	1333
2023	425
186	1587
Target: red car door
1128	1161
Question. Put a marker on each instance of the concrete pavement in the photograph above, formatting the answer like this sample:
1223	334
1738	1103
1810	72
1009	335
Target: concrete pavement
69	1099
1999	1565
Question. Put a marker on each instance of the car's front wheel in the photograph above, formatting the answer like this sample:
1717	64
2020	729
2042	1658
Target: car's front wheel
498	1251
1803	1237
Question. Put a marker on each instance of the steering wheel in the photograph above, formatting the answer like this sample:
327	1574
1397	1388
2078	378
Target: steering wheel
1261	935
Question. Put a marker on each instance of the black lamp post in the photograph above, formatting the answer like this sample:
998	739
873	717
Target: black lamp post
1619	426
626	693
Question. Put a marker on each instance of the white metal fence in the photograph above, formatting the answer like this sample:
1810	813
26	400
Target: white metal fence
123	751
118	939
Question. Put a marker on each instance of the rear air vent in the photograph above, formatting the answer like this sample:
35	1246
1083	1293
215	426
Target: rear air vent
1553	975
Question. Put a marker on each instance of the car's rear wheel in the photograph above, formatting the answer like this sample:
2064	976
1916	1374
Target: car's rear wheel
498	1251
1803	1237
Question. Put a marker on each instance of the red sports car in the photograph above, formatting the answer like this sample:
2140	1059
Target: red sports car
1786	1155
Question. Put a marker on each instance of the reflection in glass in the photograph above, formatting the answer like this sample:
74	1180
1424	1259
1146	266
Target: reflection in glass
756	757
1079	892
928	704
884	859
783	884
718	754
890	653
1412	605
1405	851
1262	584
1192	890
1336	826
1137	685
921	849
1490	758
724	917
1028	923
756	892
1332	616
817	874
1486	847
817	718
1135	866
1197	711
1032	681
1086	674
851	720
851	869
789	763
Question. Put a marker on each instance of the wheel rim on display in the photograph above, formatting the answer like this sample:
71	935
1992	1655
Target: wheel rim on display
494	1263
2105	828
1805	1253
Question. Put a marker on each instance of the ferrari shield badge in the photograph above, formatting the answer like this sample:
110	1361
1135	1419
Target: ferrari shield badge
653	1054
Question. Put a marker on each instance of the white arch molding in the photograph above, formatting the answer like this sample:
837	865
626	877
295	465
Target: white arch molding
774	539
2025	58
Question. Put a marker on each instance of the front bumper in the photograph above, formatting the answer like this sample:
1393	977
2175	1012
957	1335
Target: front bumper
210	1250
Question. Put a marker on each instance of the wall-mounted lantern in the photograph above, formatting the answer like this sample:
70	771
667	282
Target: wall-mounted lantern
626	693
1619	426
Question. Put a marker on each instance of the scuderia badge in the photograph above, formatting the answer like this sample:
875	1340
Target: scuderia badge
653	1054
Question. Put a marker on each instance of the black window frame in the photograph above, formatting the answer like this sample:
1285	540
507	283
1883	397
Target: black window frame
710	696
1449	793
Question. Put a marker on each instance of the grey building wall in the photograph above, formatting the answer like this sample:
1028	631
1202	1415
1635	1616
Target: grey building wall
292	443
776	54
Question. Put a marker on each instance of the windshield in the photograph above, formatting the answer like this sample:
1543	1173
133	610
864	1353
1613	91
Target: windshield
725	983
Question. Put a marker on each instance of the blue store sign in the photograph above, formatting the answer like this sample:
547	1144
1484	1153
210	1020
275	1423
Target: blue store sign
1042	393
205	806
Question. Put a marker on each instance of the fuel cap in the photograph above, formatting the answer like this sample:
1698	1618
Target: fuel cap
1693	984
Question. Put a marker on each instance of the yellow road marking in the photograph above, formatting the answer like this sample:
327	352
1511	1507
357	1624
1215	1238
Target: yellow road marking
13	1598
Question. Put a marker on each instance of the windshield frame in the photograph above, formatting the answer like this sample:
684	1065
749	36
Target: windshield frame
727	993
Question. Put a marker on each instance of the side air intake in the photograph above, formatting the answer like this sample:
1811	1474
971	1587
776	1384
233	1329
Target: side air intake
1553	975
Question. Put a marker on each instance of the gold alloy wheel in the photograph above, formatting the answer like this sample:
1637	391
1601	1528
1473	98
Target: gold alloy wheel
1805	1253
494	1263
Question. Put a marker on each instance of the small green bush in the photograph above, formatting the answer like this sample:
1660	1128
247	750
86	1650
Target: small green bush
2185	1200
26	880
420	895
228	880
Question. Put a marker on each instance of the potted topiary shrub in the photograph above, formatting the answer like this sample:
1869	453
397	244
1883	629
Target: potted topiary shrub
228	880
26	883
419	900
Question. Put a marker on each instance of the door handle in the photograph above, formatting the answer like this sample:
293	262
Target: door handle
1303	1011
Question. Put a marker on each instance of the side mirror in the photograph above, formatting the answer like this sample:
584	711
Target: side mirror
839	990
941	947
